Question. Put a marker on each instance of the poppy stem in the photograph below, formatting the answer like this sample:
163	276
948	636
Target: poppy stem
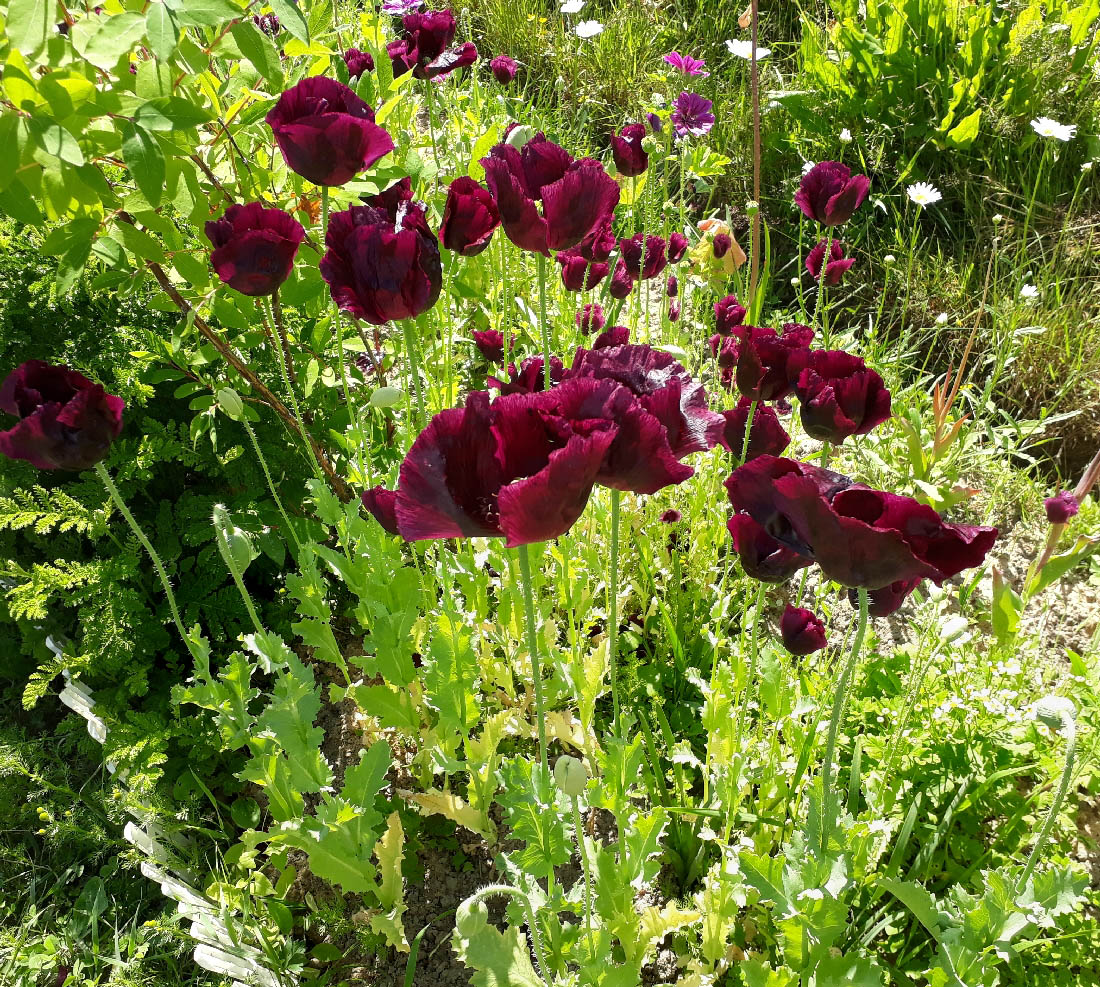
613	610
750	680
414	369
826	448
532	648
271	484
828	807
504	302
578	831
542	321
819	302
748	431
101	470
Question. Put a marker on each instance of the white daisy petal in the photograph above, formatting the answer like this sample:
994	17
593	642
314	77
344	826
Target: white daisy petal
1046	127
743	49
924	194
588	29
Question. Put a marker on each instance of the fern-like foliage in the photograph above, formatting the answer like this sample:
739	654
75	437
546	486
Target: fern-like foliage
45	511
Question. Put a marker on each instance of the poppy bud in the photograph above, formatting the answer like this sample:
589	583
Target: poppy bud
674	312
65	420
622	284
654	122
672	287
802	631
649	266
571	776
626	148
254	247
469	218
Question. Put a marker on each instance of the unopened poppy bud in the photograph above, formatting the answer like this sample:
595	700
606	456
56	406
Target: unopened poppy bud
518	136
471	917
570	776
235	544
1055	712
386	397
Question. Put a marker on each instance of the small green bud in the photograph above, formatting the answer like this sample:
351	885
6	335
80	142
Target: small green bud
570	776
386	397
471	917
231	538
520	135
1055	712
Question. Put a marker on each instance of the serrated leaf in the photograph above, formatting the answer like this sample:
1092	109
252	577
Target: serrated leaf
499	959
435	802
389	851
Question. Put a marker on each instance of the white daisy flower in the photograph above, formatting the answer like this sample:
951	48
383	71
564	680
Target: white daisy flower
845	136
588	29
1045	127
1029	293
924	194
572	6
743	49
941	319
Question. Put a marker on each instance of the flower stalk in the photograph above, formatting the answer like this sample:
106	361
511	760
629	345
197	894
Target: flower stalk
533	650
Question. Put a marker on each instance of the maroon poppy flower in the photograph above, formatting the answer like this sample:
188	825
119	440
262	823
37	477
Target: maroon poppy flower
615	336
622	284
577	197
597	246
662	386
268	23
728	315
591	319
801	631
514	468
490	344
424	48
391	199
672	286
469	218
835	267
504	69
579	274
829	193
767	437
66	422
722	244
762	356
382	269
254	247
382	503
529	378
859	536
1061	507
326	133
674	312
840	396
358	62
671	516
677	247
626	149
762	557
649	266
885	601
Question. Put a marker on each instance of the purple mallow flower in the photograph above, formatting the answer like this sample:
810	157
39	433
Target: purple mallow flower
692	116
687	64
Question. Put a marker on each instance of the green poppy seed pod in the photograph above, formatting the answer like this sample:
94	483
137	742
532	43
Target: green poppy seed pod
1055	712
519	136
386	397
233	539
471	917
570	776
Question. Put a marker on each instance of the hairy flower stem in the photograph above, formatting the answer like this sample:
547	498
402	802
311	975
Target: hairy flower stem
505	301
271	483
578	829
221	533
1068	727
820	313
542	321
532	648
101	470
754	265
828	804
430	99
748	432
613	611
407	329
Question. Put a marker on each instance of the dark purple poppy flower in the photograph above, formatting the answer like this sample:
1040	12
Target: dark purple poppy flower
728	315
885	601
391	200
469	218
829	193
663	387
381	269
674	312
268	23
801	631
1061	507
66	422
615	336
254	247
692	116
358	62
722	244
767	437
687	64
515	468
424	47
677	247
654	122
835	267
597	246
490	344
671	516
326	133
653	262
840	396
626	149
591	319
577	197
622	284
529	378
762	356
504	69
859	536
382	503
672	286
578	274
762	557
